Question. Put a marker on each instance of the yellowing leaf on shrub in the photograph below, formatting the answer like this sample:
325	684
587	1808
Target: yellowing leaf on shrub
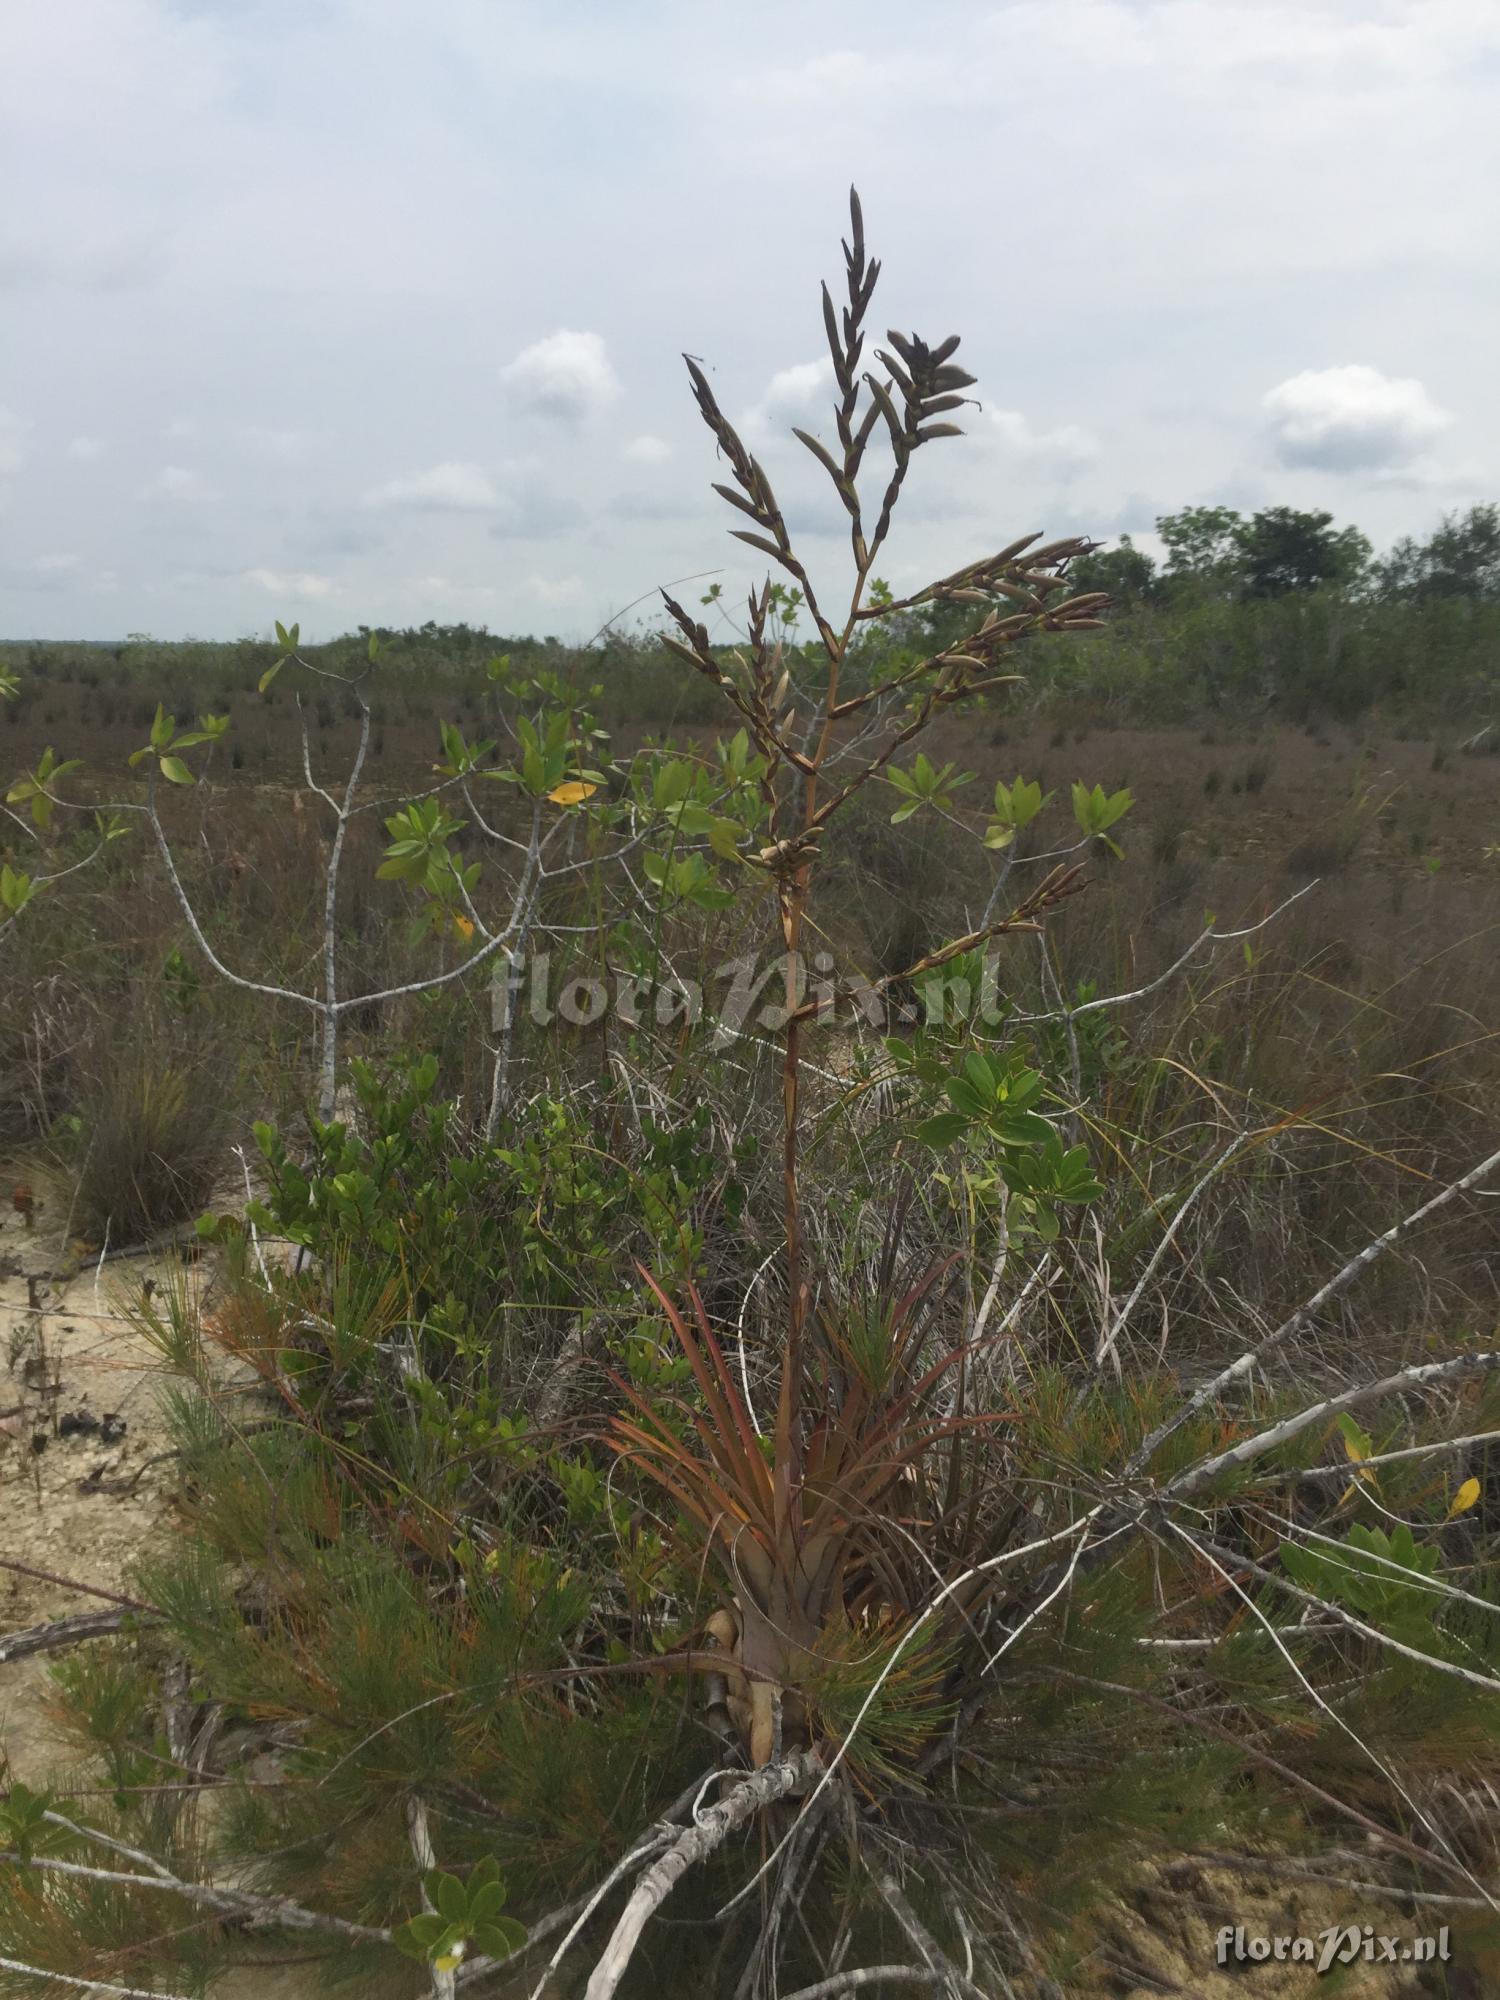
463	926
1357	1443
1464	1498
573	793
1357	1447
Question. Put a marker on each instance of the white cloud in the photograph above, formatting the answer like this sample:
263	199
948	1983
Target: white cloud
445	591
792	396
86	448
60	565
297	583
181	484
1351	419
792	390
448	488
566	375
555	590
799	395
1065	450
647	450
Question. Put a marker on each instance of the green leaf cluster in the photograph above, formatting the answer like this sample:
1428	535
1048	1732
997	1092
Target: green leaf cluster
167	742
1382	1576
1016	806
463	1914
925	784
1096	811
33	788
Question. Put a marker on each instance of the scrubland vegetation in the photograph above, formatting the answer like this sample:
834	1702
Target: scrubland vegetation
808	1477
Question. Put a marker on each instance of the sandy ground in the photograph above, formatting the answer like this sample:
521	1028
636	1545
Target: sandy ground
83	1490
80	1427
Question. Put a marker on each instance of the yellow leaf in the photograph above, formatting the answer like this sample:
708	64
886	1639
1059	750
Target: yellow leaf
1356	1447
573	793
1464	1498
463	926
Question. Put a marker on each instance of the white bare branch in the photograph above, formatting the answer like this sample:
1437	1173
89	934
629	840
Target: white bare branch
868	1975
711	1830
1122	1317
954	1982
328	1089
1218	1556
1253	1356
81	1985
275	1912
1321	1702
1210	936
1421	1375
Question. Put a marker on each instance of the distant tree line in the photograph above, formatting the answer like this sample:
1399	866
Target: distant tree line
1217	552
1241	613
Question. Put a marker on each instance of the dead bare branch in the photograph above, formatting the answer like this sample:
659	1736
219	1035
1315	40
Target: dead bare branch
712	1829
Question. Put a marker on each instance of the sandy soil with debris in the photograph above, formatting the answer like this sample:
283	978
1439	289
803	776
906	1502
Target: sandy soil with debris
84	1488
82	1484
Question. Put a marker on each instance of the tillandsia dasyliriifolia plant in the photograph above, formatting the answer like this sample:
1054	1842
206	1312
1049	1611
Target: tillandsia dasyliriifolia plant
1018	592
830	1549
802	1542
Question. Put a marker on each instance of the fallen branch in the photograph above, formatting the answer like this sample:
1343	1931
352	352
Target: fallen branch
1208	936
1429	1450
72	1583
943	1969
1253	1356
868	1975
1248	1449
60	1632
257	1911
577	1913
1264	1864
1218	1555
87	1985
646	1850
712	1829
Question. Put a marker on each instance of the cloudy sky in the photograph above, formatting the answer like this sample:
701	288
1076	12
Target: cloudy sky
359	311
